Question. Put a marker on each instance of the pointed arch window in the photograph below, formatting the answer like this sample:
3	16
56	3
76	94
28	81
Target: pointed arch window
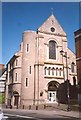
52	50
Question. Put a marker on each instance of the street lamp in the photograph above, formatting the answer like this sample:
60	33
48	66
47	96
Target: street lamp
64	54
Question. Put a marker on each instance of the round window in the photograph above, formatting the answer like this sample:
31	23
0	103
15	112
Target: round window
52	29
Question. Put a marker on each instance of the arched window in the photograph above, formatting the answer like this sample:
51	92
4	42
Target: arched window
56	71
52	49
53	71
60	71
49	70
16	98
72	67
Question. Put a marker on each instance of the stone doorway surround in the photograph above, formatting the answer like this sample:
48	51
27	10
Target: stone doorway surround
52	89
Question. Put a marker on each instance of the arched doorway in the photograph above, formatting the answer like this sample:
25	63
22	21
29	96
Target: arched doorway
16	98
52	88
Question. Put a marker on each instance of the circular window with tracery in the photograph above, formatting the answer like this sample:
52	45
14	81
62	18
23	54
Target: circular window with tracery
52	29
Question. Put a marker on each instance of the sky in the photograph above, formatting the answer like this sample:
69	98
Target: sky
18	17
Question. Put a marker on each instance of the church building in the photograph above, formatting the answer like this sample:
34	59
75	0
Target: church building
43	62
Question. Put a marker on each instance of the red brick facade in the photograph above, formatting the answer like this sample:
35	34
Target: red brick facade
78	54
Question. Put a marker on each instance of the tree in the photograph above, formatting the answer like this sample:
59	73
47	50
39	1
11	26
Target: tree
62	92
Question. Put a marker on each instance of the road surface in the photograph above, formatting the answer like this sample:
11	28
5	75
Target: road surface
39	115
9	117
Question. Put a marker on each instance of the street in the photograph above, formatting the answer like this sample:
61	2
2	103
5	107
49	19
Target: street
39	115
32	118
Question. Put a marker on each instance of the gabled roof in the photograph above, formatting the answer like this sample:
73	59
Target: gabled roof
52	22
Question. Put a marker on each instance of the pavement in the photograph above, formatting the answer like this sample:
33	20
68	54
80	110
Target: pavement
63	107
53	106
47	110
43	114
73	114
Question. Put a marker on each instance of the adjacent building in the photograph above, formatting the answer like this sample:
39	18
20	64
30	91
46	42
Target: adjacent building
36	70
2	83
77	35
2	78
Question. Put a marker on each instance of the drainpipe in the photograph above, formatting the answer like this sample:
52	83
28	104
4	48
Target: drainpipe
38	66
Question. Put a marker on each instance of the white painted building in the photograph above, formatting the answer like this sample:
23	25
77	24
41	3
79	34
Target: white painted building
2	80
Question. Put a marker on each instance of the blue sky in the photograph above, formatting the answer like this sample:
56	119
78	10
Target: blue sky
20	16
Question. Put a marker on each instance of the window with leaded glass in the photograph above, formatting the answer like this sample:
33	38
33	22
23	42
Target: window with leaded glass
52	49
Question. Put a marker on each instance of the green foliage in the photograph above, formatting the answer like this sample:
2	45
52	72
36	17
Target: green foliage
2	98
62	92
